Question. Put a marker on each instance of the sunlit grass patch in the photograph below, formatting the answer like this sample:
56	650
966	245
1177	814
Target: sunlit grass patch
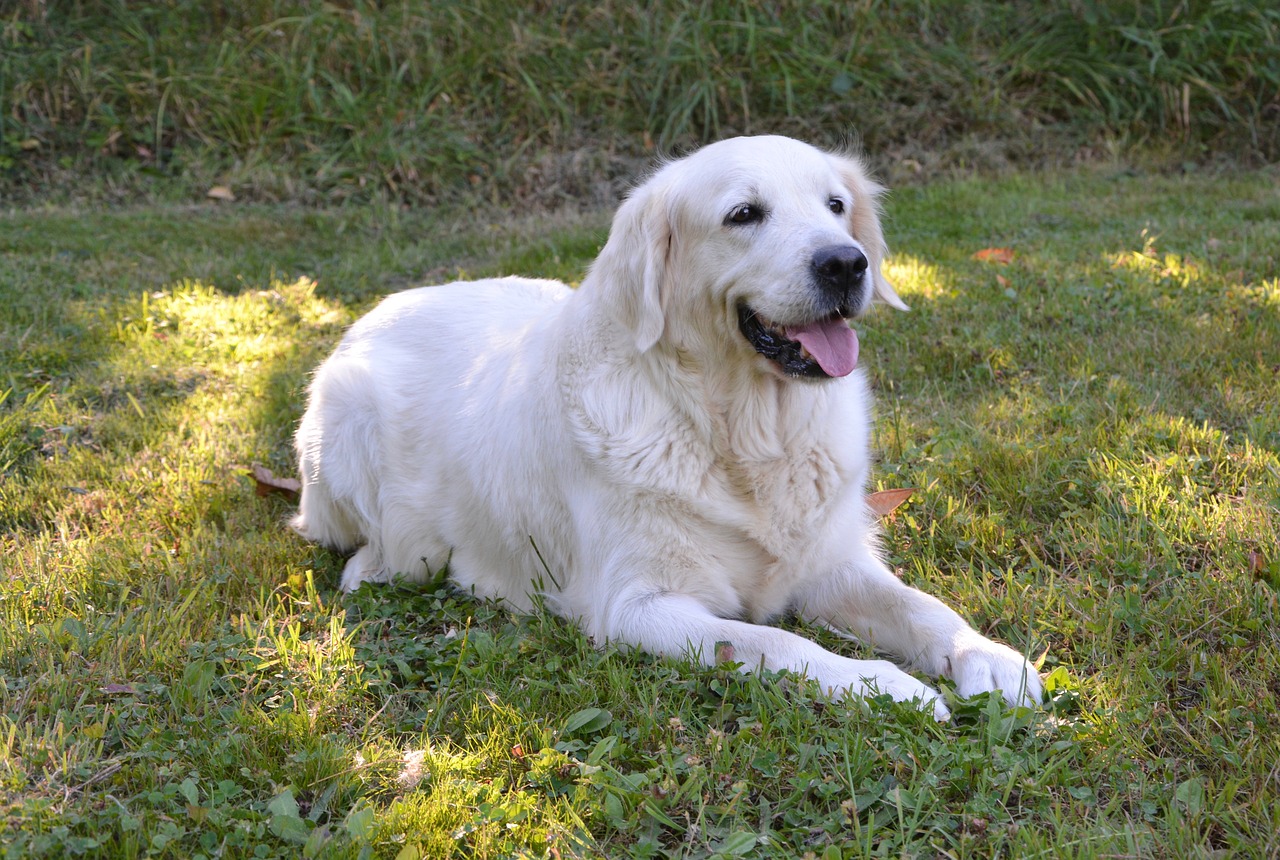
912	277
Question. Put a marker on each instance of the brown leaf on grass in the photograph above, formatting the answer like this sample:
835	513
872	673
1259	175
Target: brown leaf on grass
220	192
886	502
1002	280
267	483
118	688
995	255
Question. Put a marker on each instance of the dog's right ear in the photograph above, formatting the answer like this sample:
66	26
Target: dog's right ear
631	270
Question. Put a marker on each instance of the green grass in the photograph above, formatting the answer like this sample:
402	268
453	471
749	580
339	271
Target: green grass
1093	428
285	100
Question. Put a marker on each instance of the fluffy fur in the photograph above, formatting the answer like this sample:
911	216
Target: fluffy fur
625	450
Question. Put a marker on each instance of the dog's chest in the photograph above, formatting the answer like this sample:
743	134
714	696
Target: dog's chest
755	492
780	501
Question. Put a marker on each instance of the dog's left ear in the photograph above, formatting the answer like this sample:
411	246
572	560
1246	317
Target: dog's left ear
632	267
866	225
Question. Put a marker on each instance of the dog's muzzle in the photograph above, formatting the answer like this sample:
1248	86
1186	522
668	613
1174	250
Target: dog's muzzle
823	346
819	349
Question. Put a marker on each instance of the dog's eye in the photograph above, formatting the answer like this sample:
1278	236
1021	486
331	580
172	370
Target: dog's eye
836	205
745	214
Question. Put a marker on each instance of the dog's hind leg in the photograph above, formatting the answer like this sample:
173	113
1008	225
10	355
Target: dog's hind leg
337	444
323	520
365	566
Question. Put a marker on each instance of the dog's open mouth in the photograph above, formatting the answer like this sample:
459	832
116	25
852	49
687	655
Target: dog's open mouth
819	349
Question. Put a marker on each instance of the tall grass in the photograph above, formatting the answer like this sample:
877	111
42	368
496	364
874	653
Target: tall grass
417	100
1199	71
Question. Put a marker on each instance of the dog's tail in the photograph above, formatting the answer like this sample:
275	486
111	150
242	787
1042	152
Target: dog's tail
325	520
334	443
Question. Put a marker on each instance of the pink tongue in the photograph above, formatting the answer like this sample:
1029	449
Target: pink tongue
831	342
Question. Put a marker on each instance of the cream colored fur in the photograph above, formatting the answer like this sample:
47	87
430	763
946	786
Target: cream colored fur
623	450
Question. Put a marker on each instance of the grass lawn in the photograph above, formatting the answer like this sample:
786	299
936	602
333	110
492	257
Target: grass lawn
1092	419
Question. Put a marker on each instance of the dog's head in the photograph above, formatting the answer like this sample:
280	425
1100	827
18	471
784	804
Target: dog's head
761	245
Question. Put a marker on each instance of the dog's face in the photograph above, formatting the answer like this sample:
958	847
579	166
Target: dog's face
762	247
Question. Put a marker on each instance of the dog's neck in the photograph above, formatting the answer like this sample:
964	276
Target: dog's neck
754	414
737	408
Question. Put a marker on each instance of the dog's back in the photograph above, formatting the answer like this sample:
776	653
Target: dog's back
399	445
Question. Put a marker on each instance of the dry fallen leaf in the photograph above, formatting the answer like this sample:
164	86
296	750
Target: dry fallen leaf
268	483
995	255
1257	564
220	192
885	502
118	688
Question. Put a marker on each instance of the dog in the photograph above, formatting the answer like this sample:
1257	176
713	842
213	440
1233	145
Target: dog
670	455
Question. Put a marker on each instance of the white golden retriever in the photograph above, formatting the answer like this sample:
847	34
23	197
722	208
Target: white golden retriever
672	454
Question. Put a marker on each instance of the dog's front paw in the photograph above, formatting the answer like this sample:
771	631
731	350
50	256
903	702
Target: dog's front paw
978	665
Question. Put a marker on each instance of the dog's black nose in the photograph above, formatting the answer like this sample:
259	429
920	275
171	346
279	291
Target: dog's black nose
839	271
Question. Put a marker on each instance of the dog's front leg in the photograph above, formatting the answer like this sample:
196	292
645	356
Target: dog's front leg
866	599
668	623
